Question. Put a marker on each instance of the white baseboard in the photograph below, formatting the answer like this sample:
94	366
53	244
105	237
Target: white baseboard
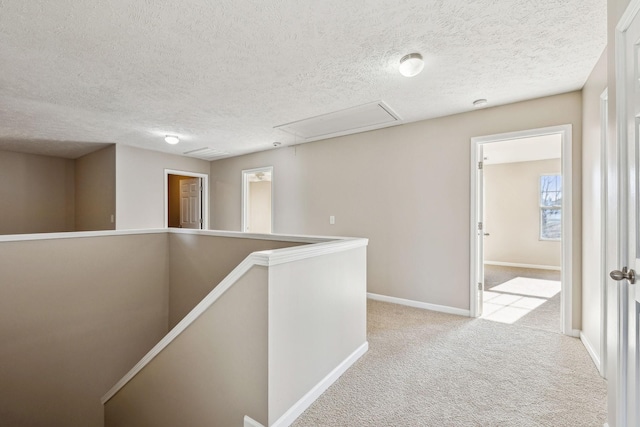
590	350
419	304
301	405
516	264
574	333
250	422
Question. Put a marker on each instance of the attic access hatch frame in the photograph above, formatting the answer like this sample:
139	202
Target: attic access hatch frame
362	118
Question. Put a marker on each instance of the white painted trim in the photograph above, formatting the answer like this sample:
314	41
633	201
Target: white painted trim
250	422
262	258
574	333
76	235
297	253
517	264
419	304
618	381
245	194
301	405
205	194
590	350
566	293
604	196
107	233
256	236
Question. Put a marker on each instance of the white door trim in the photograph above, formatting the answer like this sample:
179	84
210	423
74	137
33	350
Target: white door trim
618	357
245	196
205	195
604	131
566	294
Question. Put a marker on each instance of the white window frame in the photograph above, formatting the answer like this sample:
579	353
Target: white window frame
542	207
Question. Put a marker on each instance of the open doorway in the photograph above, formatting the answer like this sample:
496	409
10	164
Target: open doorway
257	198
522	232
186	200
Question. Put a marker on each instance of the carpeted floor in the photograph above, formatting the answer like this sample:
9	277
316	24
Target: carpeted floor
545	316
425	368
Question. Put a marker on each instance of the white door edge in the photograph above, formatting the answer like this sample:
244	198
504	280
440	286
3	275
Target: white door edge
604	137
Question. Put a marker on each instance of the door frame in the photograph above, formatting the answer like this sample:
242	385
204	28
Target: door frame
619	186
566	293
205	194
604	233
245	196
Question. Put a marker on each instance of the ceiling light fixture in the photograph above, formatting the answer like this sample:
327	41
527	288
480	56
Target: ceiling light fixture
480	103
411	65
171	139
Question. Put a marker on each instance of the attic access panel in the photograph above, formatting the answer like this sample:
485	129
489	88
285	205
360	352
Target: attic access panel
365	117
206	153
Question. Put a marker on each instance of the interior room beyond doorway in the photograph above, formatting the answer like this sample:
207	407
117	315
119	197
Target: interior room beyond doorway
522	231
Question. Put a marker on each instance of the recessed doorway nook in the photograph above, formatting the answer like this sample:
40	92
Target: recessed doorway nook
186	199
257	200
547	219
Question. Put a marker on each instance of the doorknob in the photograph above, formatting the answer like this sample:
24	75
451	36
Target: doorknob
618	275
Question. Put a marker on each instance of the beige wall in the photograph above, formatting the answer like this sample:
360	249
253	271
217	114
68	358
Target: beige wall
96	190
69	334
212	374
199	263
260	207
37	193
512	214
140	185
374	184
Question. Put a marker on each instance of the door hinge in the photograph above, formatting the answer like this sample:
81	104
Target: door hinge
479	286
480	226
480	165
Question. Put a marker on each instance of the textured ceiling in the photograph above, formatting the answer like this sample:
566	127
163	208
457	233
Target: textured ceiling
222	74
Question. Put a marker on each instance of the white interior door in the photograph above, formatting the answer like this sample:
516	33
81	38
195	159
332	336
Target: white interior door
191	203
625	388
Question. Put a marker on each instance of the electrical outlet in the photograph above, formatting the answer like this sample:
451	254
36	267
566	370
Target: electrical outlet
332	220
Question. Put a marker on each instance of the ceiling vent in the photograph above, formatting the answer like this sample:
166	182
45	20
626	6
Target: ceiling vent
206	153
370	116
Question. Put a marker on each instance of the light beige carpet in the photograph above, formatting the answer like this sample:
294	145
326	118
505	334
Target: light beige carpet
431	369
545	316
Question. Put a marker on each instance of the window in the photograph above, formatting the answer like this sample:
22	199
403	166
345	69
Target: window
550	207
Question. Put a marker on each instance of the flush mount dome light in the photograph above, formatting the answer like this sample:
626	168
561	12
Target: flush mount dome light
171	139
479	103
411	65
